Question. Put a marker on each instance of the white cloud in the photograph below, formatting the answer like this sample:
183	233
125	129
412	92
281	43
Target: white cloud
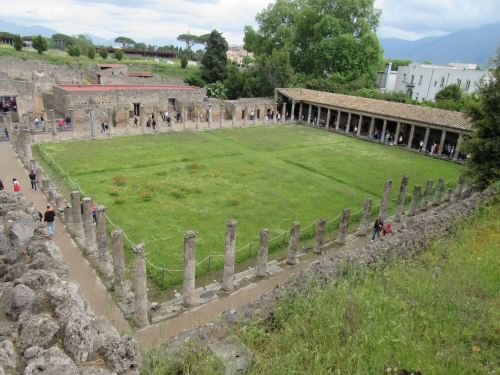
407	19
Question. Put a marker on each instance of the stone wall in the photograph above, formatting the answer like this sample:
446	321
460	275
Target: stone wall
415	234
120	79
47	323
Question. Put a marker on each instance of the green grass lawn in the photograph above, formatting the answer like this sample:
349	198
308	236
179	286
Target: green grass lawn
157	187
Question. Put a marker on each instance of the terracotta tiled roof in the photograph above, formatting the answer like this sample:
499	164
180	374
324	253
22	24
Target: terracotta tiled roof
408	112
106	66
138	74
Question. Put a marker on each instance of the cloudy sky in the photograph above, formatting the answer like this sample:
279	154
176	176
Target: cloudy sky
146	19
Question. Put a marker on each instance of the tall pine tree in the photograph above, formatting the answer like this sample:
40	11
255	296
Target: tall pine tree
214	62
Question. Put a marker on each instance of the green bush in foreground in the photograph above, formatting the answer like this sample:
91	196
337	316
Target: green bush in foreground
436	314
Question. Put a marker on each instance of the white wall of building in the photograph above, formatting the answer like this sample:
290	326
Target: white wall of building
424	81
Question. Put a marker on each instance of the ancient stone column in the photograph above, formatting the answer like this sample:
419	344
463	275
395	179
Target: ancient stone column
386	196
103	261
196	116
426	138
45	185
400	204
320	236
140	287
439	191
309	113
384	129
68	215
337	123
32	126
293	244
457	147
28	155
398	128
142	120
292	113
184	117
73	122
233	117
410	138
447	194
263	252
221	117
110	121
372	127
10	127
427	194
319	116
52	196
60	203
365	218
77	214
460	184
328	118
119	264
344	225
54	125
88	229
348	127
39	174
467	192
441	143
45	121
92	122
245	116
189	268
300	112
171	111
360	125
275	109
414	200
127	121
255	114
228	276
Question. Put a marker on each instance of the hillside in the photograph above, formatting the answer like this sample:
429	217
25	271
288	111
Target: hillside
467	45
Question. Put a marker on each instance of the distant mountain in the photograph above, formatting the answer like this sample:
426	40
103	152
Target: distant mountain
467	46
26	30
98	41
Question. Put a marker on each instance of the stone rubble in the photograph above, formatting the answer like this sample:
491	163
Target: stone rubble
47	325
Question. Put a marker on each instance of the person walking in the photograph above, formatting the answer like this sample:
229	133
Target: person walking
6	134
32	177
135	122
36	123
377	227
61	124
94	213
16	186
68	121
49	217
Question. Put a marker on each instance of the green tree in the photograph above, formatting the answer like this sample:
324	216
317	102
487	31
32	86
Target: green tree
450	92
483	146
216	90
324	37
119	54
189	39
124	41
63	41
40	44
103	52
214	62
195	80
84	43
427	62
140	46
74	51
396	63
184	61
274	71
18	42
91	53
203	39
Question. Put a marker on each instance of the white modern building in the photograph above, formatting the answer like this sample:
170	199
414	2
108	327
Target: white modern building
423	81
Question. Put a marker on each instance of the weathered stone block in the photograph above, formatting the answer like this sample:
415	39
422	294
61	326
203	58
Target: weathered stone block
236	358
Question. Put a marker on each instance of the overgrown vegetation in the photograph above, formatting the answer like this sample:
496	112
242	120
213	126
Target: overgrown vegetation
265	177
434	314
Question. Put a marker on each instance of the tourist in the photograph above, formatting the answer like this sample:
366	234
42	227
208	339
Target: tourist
166	115
252	114
208	116
6	134
16	186
106	128
136	122
168	121
103	127
377	227
178	116
421	144
68	121
49	219
1	185
35	120
32	177
94	213
153	123
61	124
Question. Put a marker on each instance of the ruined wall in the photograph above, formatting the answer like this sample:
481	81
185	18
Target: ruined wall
264	105
47	323
24	90
121	79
